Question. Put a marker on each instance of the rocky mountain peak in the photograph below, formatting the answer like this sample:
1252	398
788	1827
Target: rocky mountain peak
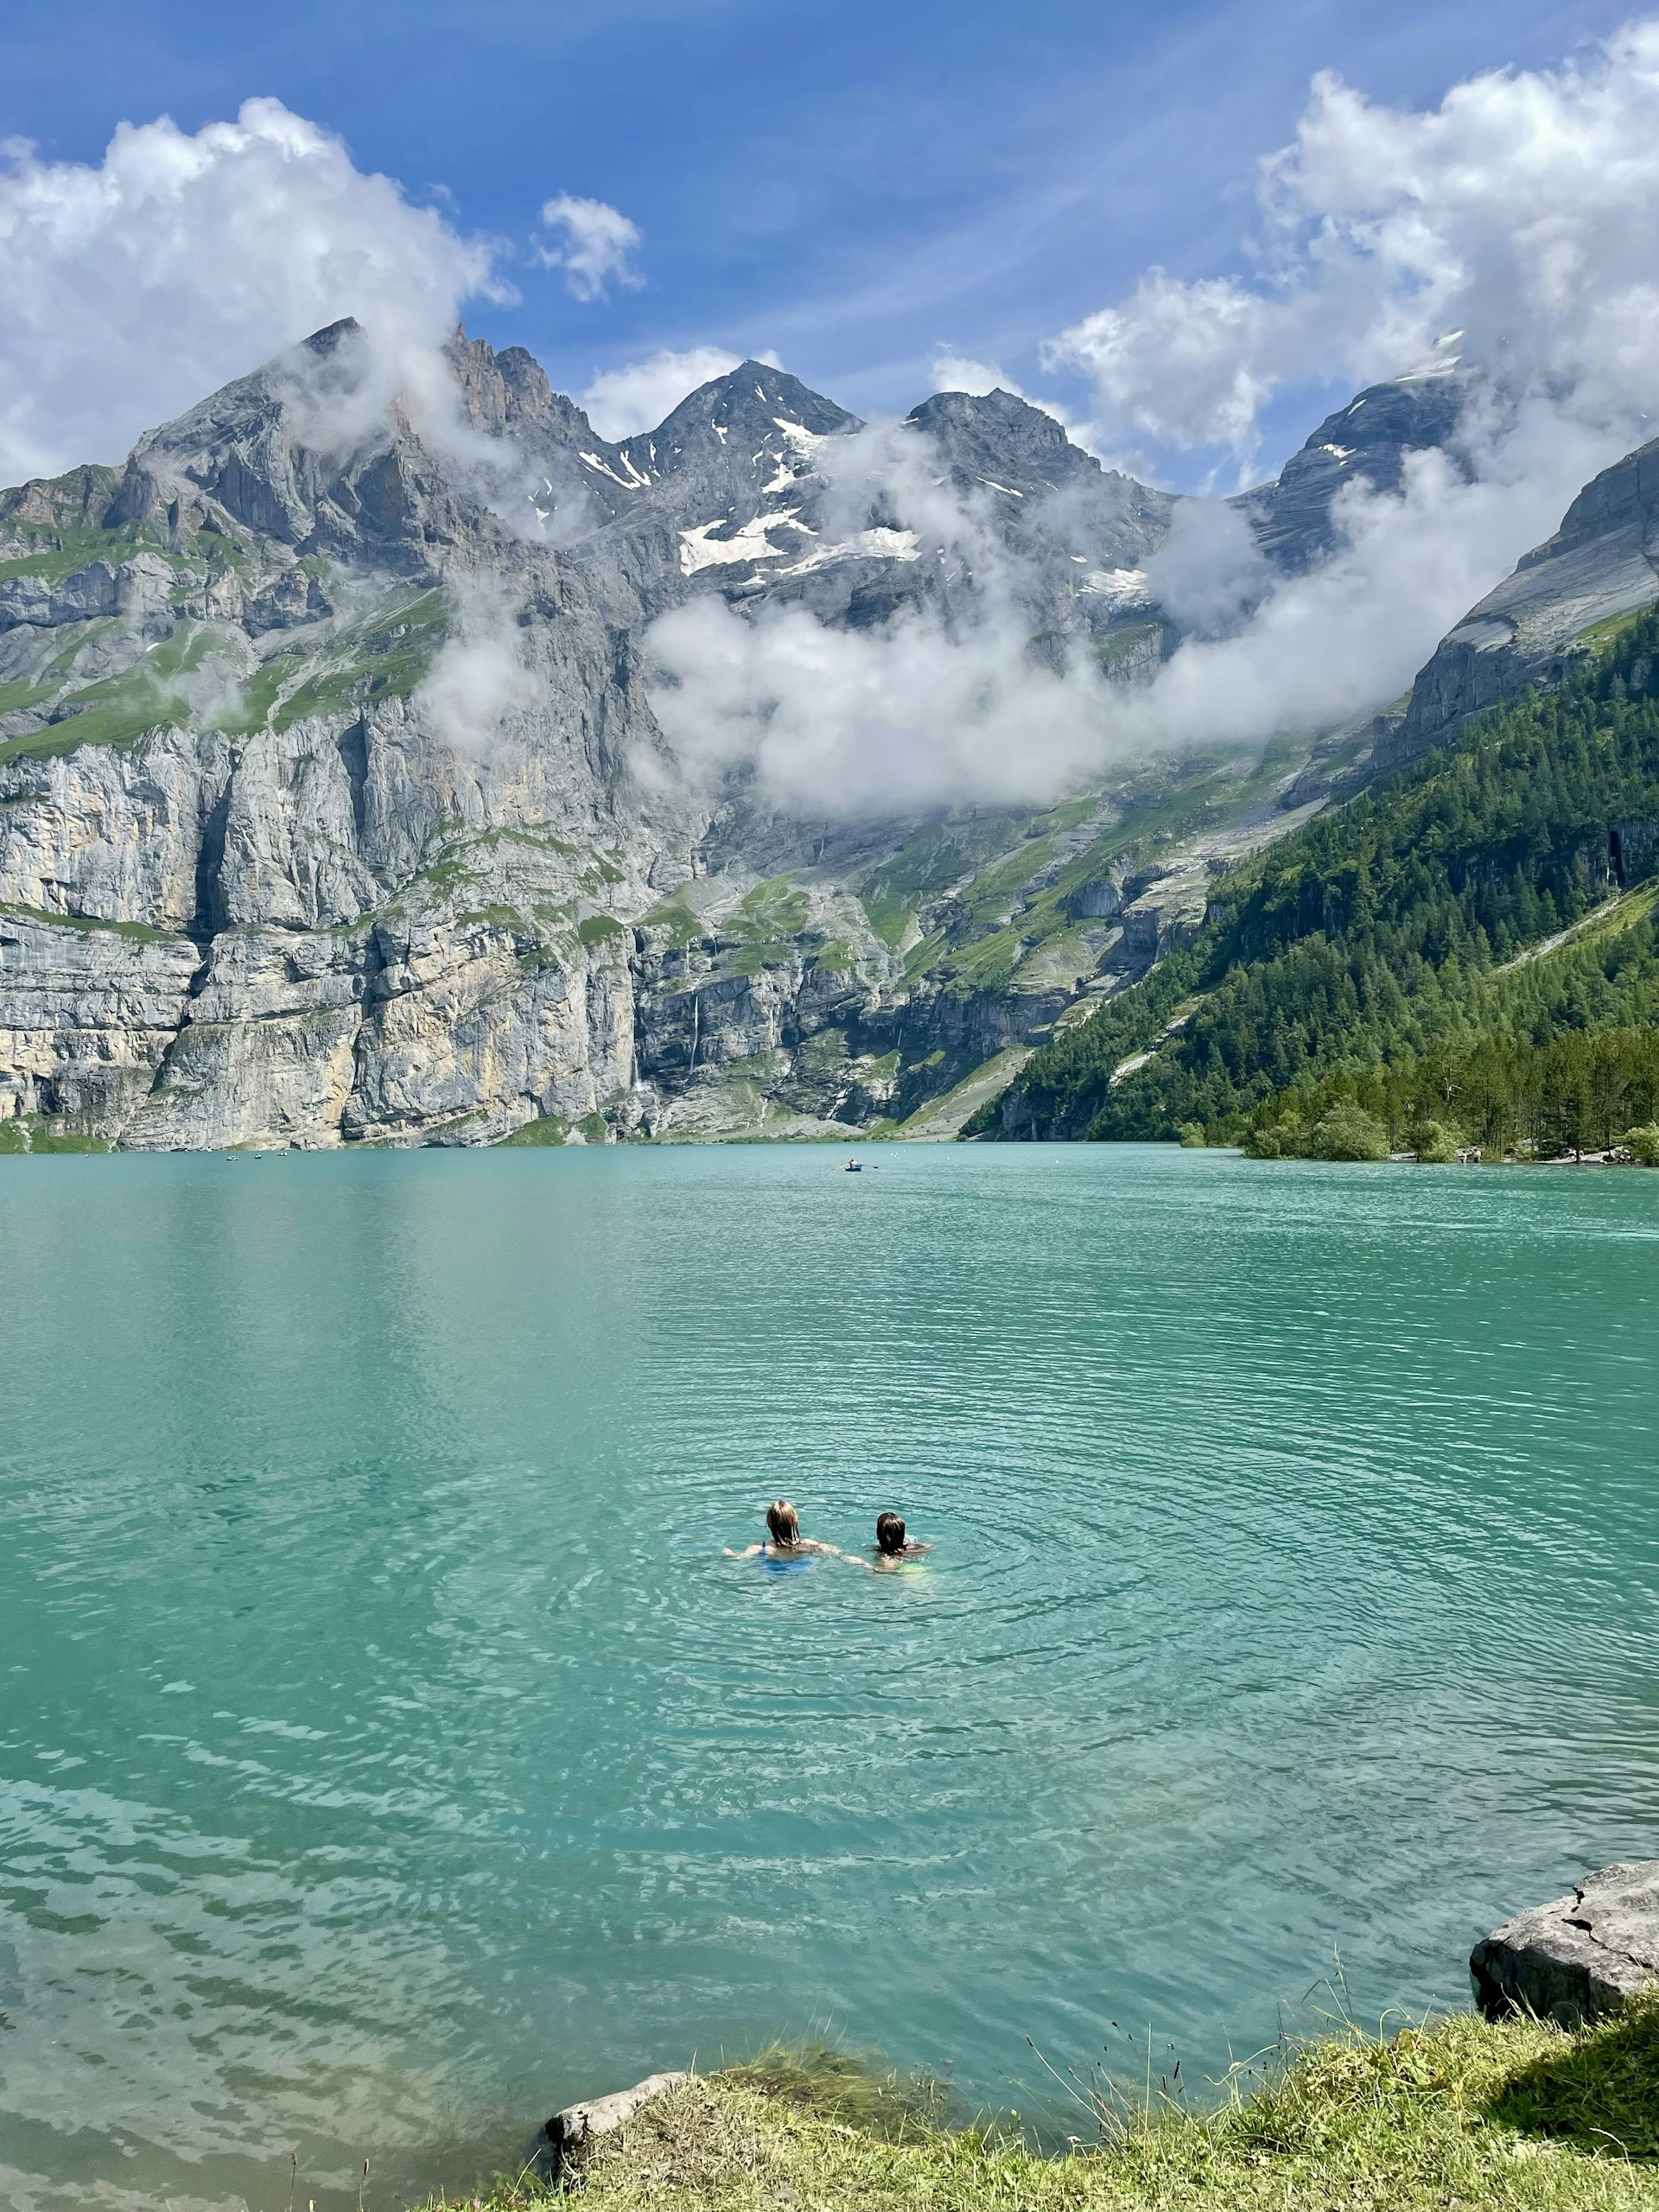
304	457
508	394
1368	438
1080	527
329	340
1600	566
753	395
1624	498
977	433
750	410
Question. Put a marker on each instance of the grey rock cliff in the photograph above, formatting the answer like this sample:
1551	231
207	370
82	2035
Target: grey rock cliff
1601	563
1367	441
1583	1957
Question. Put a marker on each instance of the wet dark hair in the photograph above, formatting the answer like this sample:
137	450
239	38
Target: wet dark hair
889	1532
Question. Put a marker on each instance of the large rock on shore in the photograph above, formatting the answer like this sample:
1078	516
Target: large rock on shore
571	2130
1580	1958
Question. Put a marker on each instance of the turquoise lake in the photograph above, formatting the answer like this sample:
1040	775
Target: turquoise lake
388	1755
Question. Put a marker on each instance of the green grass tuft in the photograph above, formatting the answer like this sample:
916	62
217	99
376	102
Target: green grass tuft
59	553
46	1133
135	932
118	722
547	1129
1519	2117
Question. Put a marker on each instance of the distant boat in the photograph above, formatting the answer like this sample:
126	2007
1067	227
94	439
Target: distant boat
852	1168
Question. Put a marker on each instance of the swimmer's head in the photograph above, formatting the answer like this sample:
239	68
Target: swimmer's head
889	1534
784	1522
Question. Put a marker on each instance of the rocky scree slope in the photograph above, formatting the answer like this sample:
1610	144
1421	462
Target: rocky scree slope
261	884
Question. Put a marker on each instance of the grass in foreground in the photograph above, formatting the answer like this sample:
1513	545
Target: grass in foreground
1458	2113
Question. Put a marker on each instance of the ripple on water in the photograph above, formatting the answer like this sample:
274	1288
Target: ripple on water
388	1751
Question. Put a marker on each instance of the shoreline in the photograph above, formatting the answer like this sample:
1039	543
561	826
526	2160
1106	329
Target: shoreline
1520	2114
1560	2056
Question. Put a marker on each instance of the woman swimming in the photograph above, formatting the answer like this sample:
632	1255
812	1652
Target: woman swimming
784	1540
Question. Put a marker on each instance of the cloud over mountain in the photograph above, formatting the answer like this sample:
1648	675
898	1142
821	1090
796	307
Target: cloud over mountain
637	396
134	286
1505	240
1518	214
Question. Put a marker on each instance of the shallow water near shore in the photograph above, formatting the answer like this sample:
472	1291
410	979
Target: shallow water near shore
388	1756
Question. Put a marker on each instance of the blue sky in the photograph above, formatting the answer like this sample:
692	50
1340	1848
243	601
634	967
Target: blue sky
851	185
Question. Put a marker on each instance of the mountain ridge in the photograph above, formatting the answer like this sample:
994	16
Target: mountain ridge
255	888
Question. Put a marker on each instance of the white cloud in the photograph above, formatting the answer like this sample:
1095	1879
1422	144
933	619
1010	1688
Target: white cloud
621	402
1209	573
1314	650
479	684
954	372
134	287
945	706
597	242
843	722
1521	212
930	711
1179	363
1518	216
921	713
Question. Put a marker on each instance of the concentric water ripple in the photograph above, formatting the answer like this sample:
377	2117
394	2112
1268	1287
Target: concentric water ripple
387	1753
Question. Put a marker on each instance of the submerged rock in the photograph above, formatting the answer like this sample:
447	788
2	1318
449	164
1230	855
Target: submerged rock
1580	1958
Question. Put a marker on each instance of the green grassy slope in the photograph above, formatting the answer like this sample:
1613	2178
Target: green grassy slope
1461	2113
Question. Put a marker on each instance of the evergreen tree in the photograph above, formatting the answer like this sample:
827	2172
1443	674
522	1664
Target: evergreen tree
1390	954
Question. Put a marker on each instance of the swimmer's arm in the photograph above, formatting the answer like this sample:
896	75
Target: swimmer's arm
754	1552
811	1544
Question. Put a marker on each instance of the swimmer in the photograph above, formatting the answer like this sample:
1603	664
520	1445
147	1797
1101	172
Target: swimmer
784	1540
893	1547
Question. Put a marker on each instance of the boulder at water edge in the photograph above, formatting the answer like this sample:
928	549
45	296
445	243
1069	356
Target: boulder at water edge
571	2130
1584	1956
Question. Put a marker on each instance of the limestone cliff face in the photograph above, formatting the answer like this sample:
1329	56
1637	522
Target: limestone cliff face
309	934
255	889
